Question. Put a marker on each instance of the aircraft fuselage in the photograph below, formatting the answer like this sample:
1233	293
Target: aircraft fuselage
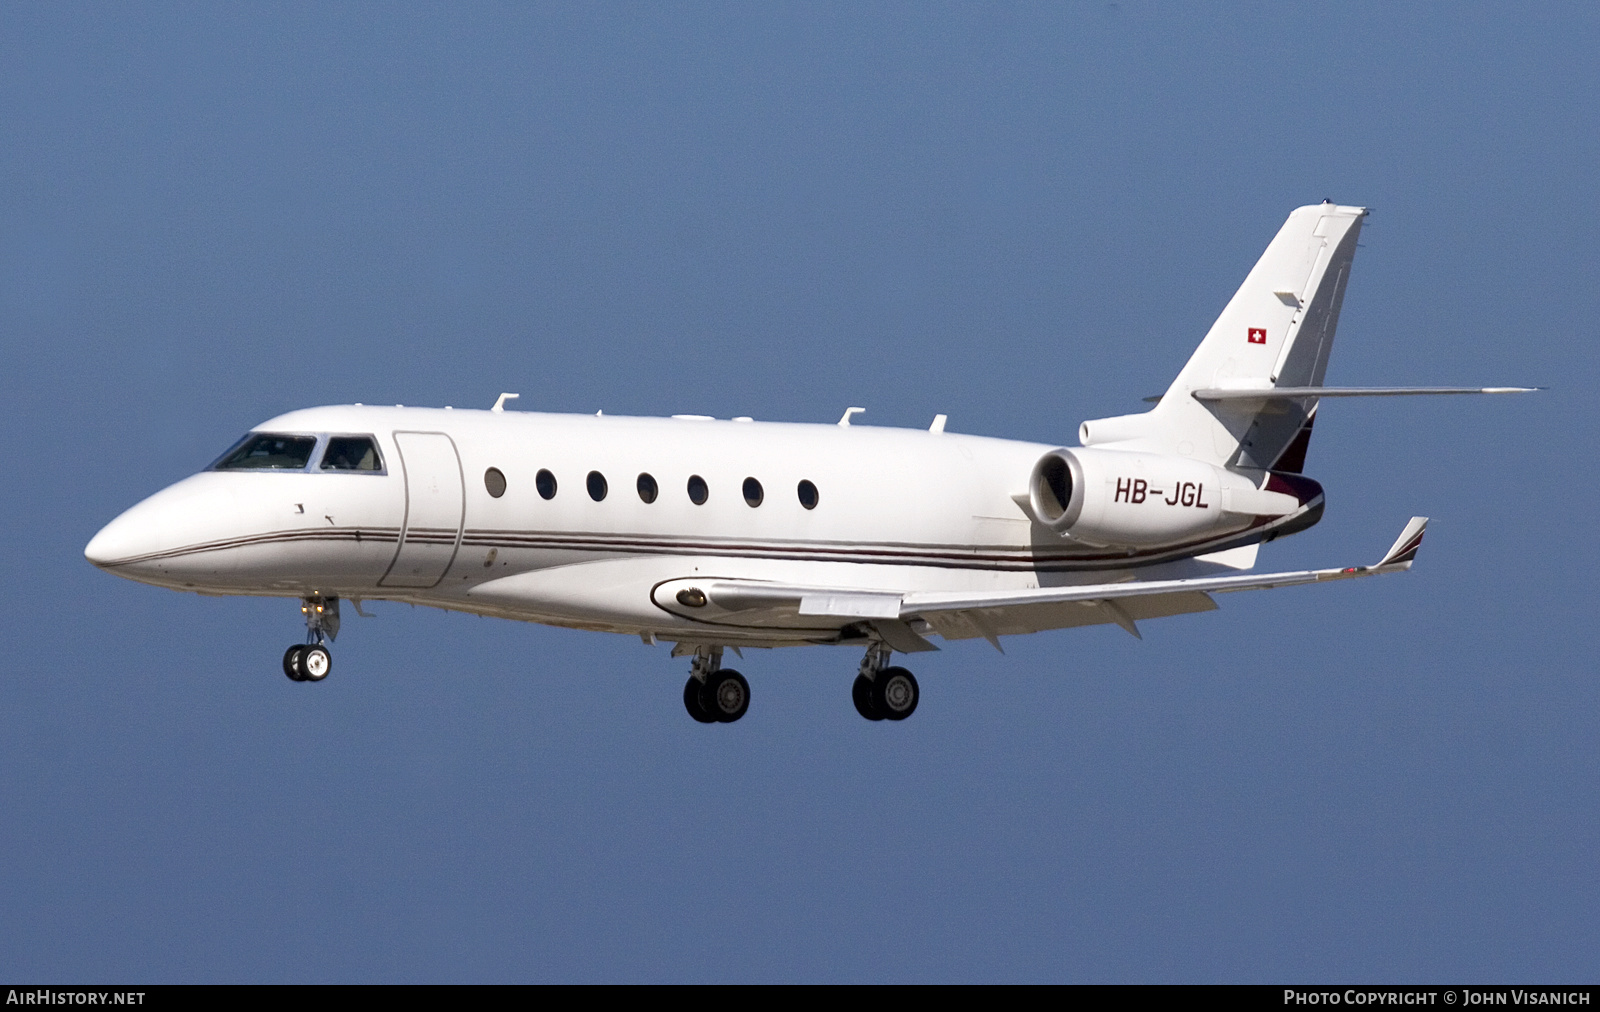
911	509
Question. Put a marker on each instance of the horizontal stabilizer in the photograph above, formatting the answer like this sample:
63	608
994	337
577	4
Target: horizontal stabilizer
1295	393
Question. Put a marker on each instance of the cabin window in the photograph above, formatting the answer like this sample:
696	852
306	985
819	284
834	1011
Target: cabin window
698	492
597	485
261	451
752	493
808	495
545	482
647	488
351	453
494	481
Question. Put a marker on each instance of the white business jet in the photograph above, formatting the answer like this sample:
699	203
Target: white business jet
716	535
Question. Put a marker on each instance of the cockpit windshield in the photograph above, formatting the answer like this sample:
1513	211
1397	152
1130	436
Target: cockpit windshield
261	451
351	453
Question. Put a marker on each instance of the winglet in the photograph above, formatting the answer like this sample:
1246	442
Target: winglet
1405	547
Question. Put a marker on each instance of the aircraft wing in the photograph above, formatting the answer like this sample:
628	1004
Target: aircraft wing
1398	558
991	614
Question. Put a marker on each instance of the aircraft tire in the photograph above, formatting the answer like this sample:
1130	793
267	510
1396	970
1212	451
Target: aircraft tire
691	702
895	693
861	695
315	663
291	662
726	695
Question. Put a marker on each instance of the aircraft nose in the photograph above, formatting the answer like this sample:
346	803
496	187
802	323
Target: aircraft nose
121	540
155	540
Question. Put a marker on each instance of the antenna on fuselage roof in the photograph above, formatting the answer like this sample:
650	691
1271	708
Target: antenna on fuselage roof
500	405
848	413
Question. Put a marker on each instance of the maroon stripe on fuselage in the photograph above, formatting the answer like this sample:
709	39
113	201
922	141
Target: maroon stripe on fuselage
988	558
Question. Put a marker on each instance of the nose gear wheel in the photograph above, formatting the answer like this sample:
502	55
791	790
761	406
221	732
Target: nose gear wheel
315	663
305	662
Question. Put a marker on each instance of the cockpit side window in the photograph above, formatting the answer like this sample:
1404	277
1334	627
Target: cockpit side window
263	451
351	453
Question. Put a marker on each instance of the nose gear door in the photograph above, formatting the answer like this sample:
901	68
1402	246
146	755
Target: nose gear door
435	504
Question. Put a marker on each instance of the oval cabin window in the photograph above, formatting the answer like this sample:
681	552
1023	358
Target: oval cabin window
752	493
597	486
698	492
495	482
808	495
647	488
545	482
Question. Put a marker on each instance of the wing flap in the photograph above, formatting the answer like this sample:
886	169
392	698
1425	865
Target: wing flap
1019	620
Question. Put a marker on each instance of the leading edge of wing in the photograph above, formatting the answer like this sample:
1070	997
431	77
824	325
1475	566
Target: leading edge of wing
1397	559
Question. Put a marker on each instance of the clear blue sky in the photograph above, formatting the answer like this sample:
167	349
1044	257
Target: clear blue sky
1022	216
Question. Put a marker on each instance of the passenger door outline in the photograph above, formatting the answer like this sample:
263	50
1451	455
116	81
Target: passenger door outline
423	550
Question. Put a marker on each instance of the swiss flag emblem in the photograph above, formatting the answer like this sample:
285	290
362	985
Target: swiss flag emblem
1258	335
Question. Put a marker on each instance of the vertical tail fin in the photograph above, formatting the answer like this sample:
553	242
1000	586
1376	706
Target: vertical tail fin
1277	330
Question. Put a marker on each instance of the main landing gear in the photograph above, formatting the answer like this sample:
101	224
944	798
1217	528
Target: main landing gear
717	695
882	692
714	694
310	661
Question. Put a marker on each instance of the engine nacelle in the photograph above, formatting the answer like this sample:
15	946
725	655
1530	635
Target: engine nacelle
1136	500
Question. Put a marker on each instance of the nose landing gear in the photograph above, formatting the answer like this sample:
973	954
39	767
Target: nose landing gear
310	661
307	662
881	692
714	694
